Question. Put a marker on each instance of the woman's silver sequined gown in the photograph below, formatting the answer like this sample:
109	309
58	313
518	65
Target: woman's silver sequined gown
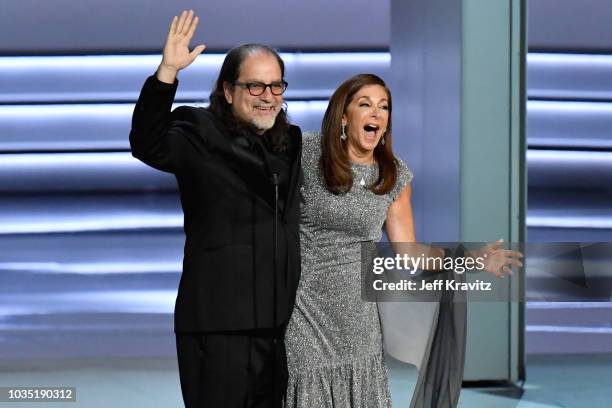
334	343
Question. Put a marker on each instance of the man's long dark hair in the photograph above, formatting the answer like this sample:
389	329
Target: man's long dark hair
230	71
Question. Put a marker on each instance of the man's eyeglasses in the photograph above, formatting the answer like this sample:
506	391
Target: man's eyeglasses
258	88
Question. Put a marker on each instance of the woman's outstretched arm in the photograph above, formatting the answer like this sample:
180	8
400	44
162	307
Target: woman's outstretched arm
400	230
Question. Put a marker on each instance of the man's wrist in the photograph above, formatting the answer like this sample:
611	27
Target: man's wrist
166	74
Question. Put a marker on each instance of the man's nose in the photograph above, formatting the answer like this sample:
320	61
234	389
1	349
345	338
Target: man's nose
267	94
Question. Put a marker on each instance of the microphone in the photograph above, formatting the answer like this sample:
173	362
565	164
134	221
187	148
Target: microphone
275	182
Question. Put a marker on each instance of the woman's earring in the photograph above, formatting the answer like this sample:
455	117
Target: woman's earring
343	135
382	140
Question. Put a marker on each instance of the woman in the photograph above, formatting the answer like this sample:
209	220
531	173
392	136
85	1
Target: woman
353	185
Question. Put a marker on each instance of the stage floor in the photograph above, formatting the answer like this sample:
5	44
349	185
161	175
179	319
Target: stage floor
552	381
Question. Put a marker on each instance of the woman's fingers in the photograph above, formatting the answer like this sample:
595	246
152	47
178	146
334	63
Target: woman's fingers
497	244
494	246
499	261
513	258
511	253
514	262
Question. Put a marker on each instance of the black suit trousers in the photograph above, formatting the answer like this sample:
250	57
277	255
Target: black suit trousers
243	369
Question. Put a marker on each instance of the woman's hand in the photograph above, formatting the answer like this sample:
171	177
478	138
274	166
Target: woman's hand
498	261
176	51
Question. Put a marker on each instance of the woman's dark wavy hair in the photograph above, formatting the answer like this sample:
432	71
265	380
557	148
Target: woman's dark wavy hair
230	71
335	164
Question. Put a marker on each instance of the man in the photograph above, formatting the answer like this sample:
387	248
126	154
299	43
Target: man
237	165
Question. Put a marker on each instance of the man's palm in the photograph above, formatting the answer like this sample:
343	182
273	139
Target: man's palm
176	50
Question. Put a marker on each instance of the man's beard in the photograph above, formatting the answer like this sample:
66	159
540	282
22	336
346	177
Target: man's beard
264	123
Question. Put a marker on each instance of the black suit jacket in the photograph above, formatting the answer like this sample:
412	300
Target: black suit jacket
228	280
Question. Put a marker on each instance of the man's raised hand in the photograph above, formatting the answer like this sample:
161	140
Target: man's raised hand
176	51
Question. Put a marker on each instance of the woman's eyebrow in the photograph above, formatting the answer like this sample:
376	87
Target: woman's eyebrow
368	98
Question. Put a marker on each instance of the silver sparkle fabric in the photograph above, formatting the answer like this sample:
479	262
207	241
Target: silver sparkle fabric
334	342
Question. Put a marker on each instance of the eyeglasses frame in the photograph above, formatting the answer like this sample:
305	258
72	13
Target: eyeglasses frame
248	85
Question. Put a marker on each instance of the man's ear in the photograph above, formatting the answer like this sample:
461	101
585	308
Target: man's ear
227	92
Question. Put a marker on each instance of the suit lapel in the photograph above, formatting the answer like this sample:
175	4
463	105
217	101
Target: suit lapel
250	165
253	168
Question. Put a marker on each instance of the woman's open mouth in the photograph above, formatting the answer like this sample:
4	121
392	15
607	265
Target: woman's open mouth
371	130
